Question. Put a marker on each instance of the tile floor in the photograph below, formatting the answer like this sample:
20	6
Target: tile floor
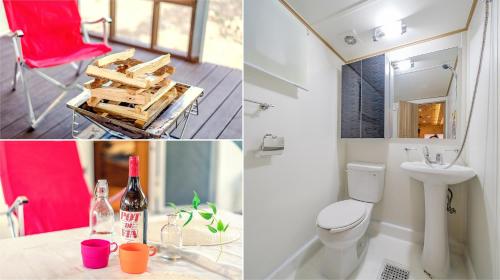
383	247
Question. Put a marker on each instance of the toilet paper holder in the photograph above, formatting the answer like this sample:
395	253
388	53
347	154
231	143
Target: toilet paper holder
271	145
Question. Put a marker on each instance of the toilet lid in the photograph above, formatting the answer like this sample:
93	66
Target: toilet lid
342	215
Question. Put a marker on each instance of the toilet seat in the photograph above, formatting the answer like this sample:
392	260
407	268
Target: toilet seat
342	215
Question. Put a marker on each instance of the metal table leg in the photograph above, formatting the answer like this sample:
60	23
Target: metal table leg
192	110
75	124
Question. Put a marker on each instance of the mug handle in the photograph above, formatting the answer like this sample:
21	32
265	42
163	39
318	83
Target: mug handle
152	251
116	246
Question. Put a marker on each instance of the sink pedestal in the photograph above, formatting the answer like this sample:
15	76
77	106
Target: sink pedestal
436	178
436	254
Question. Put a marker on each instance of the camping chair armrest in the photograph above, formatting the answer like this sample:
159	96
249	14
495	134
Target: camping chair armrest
18	207
16	42
104	21
17	33
20	200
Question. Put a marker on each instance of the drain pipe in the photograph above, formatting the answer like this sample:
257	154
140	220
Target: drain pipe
450	209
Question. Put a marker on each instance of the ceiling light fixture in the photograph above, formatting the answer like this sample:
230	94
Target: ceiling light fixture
389	30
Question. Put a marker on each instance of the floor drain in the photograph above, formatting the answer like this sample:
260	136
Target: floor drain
393	271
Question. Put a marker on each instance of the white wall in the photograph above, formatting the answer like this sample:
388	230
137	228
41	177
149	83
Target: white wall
483	229
287	192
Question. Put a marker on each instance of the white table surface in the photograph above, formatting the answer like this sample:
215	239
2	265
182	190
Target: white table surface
57	255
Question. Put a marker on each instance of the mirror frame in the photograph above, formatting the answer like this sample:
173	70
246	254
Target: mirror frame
389	83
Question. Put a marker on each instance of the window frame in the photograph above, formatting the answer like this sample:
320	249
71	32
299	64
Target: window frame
199	14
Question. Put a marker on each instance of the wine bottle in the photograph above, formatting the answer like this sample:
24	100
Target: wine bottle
134	207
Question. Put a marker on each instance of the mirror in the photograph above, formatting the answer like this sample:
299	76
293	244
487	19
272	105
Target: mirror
425	95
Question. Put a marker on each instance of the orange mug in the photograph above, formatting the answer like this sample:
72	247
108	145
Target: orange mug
134	257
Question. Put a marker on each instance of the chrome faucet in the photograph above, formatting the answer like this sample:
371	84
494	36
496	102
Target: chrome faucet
427	158
439	158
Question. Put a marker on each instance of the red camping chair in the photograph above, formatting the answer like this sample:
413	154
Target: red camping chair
46	33
50	176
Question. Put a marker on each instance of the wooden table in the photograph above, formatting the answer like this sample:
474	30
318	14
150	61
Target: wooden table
57	255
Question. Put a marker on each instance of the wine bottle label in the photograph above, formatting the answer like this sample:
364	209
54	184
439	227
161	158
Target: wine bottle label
132	226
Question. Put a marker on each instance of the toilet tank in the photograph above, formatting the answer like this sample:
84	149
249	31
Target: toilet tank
365	181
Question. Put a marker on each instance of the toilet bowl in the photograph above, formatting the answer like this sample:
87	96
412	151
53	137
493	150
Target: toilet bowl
342	226
345	246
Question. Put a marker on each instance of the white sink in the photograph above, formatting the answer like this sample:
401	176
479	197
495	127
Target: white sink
436	255
437	174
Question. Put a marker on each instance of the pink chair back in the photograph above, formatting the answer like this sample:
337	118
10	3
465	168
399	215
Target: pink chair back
50	175
51	27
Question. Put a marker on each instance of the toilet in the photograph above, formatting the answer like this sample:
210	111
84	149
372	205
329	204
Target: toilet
342	226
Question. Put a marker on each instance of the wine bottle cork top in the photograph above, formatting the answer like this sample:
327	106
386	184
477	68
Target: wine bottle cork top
133	163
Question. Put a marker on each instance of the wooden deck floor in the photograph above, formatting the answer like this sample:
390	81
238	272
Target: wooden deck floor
220	107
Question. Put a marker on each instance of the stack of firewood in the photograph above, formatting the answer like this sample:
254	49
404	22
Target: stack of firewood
127	88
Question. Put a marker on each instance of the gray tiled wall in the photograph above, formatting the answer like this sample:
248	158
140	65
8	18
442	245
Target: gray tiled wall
351	97
363	98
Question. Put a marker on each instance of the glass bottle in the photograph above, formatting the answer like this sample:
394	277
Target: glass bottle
171	238
101	213
134	207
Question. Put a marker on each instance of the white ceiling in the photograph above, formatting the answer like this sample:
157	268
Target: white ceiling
333	20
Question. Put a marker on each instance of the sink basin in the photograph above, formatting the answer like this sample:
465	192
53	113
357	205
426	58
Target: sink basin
454	175
436	254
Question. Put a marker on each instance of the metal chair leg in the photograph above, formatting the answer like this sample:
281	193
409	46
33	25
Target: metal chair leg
15	78
35	123
11	225
31	112
79	68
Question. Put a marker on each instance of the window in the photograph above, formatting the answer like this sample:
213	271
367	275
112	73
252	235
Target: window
155	25
133	21
174	27
223	34
93	10
212	169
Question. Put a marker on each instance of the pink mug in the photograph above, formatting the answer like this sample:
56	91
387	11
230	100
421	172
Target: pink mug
95	252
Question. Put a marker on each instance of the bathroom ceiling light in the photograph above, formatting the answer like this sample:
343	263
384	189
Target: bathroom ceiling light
403	65
389	30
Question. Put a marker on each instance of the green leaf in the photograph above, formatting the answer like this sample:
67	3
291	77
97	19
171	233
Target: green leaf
214	208
183	211
172	205
220	226
212	222
212	229
196	200
205	215
226	228
189	219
